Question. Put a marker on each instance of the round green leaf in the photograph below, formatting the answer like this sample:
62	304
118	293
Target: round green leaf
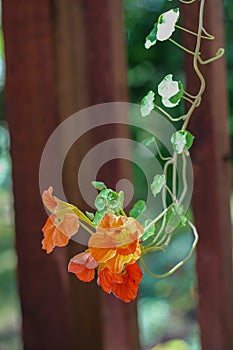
148	233
166	24
163	28
157	184
171	91
121	199
182	140
175	217
137	209
90	215
100	203
147	104
98	216
98	185
151	39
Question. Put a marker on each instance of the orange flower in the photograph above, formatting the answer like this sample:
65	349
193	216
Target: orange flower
61	225
113	250
123	285
83	265
116	242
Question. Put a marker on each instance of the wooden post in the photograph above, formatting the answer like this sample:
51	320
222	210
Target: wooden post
92	70
210	155
60	57
31	111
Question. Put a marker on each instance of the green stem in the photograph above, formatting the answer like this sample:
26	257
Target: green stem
188	2
181	47
187	99
174	173
208	37
184	178
171	194
86	228
189	95
218	55
123	213
160	154
160	216
181	263
207	34
168	115
196	68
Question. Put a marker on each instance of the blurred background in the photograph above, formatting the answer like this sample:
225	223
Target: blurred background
166	308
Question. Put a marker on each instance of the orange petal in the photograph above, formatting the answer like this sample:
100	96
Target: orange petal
102	246
106	279
83	265
134	227
111	221
48	199
48	229
127	249
85	259
87	275
53	236
117	263
127	291
69	225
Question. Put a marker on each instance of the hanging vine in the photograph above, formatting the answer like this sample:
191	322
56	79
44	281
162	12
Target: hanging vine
117	241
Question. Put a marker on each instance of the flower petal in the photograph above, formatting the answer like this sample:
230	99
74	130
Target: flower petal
86	259
118	262
102	246
58	235
127	291
83	273
48	199
124	255
106	279
69	225
83	266
48	229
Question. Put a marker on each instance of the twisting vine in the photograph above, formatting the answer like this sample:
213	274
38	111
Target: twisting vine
172	92
118	241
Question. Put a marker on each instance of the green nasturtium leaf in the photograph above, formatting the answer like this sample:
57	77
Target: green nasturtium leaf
182	140
163	28
98	185
98	216
147	104
166	24
90	215
171	91
100	203
148	233
175	217
109	199
121	197
137	209
151	38
157	184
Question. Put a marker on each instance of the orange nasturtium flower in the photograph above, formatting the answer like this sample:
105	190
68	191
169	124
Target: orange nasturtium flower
113	250
61	225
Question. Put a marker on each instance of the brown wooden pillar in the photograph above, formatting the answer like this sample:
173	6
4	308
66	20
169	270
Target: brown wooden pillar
91	69
61	56
210	155
32	114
